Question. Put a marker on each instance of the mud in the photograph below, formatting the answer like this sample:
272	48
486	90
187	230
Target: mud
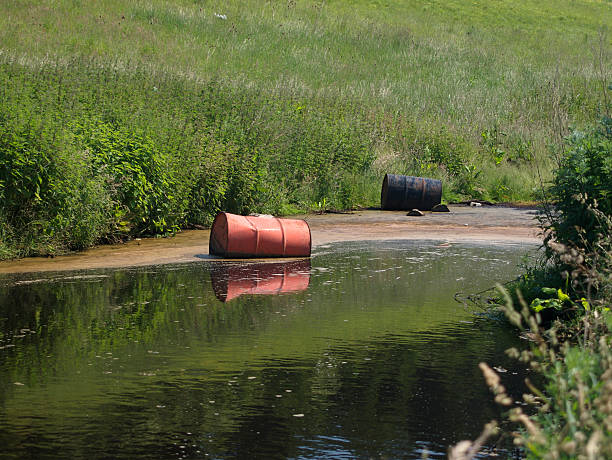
478	224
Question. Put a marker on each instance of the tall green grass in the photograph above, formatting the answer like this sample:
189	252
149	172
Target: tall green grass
143	117
467	65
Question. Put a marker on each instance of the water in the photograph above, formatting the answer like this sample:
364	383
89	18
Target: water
361	352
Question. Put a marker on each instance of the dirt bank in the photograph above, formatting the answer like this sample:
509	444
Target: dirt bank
463	223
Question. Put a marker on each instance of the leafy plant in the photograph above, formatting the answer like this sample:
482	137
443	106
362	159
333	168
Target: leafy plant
492	143
582	188
137	176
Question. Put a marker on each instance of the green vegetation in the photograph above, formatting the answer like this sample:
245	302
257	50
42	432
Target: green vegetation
119	119
583	189
565	309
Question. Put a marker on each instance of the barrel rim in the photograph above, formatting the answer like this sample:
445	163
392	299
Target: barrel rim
384	191
309	237
214	246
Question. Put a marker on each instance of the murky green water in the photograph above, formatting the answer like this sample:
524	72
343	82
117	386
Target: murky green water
360	353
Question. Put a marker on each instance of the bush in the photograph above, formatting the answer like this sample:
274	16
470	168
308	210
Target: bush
583	188
137	177
49	200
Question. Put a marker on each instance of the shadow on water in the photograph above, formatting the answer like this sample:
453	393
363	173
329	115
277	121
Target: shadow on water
361	353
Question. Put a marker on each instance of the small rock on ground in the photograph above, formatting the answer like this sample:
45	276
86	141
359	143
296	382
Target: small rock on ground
440	208
415	212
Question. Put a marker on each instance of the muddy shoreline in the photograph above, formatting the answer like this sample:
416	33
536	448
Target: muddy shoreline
486	224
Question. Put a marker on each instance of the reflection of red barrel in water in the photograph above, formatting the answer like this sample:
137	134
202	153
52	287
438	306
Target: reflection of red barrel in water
258	236
231	281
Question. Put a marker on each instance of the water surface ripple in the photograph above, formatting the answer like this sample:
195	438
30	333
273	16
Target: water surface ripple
361	352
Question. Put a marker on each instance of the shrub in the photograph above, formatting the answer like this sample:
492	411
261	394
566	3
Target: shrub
583	187
138	177
49	200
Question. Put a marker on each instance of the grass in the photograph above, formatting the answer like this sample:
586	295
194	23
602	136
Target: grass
286	105
465	65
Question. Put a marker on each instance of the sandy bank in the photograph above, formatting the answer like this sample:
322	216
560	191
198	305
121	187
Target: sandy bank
485	224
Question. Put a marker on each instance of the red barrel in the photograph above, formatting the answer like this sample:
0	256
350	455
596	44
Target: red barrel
231	281
258	236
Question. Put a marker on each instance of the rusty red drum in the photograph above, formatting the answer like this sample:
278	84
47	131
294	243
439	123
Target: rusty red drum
237	236
230	281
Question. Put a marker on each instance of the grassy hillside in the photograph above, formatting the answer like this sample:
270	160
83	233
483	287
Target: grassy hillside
123	118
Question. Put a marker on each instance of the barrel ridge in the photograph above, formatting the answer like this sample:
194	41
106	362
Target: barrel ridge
257	234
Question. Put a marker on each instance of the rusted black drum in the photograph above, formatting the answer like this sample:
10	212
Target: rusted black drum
408	192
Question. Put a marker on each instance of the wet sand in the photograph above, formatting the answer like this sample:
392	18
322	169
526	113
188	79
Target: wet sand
486	224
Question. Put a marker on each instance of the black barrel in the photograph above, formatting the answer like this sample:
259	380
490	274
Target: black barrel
408	192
